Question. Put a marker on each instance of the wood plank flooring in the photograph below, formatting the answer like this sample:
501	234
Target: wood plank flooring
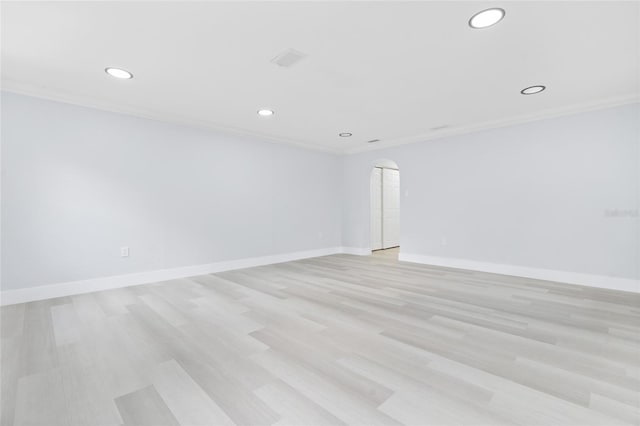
362	340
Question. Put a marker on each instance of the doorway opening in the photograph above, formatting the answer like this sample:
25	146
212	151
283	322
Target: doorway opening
385	208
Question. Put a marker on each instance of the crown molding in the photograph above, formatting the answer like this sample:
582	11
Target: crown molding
507	122
84	101
35	91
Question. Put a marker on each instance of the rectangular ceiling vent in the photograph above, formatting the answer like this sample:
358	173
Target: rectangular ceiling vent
373	141
288	58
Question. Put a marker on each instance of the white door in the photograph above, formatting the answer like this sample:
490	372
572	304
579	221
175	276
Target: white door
390	208
376	209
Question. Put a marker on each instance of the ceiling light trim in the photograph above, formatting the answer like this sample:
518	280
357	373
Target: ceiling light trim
533	90
119	73
484	14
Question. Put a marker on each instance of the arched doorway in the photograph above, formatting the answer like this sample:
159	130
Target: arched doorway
385	206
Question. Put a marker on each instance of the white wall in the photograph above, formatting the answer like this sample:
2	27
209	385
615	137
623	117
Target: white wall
78	183
539	195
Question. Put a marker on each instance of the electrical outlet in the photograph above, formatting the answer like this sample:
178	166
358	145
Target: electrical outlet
124	251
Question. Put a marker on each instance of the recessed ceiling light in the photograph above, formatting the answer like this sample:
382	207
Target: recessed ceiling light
532	90
118	73
345	135
265	112
486	18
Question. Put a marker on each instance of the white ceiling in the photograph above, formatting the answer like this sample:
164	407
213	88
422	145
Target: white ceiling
380	70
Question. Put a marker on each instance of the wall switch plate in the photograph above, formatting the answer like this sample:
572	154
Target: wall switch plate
124	251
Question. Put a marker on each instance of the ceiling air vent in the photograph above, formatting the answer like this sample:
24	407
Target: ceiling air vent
288	58
445	126
373	141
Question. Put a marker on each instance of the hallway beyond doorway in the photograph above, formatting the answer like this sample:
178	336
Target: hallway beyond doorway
389	254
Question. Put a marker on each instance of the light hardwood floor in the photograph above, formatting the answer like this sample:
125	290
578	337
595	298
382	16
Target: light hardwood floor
327	341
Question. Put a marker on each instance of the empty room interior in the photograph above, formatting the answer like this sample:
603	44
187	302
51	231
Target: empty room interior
320	213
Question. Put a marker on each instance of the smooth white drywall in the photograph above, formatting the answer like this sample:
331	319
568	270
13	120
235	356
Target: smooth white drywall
79	183
558	194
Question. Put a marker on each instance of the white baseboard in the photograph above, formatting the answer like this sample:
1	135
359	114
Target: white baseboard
358	251
10	297
600	281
